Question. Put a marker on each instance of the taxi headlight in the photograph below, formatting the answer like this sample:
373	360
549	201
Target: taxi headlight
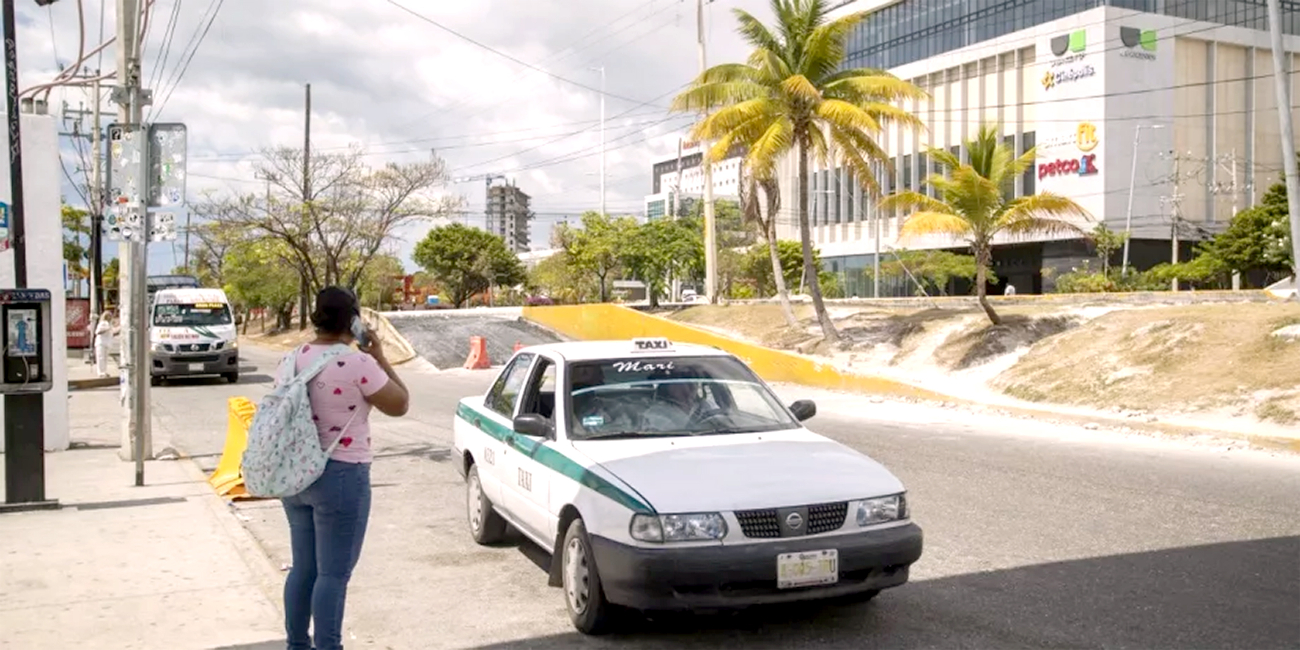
882	510
703	526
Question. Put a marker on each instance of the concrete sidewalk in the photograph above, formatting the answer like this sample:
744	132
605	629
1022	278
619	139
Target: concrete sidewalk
167	565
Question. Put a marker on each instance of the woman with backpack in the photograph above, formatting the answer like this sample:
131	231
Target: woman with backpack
327	520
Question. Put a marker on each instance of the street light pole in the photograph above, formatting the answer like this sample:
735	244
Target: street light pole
710	226
1132	181
1282	79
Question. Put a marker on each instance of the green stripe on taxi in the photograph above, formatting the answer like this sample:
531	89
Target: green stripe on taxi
552	459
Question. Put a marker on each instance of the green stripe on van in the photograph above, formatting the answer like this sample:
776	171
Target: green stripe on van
553	460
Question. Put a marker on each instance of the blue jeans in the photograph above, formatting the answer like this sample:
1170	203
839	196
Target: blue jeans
327	524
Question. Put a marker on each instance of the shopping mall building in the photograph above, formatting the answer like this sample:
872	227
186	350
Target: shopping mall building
1187	84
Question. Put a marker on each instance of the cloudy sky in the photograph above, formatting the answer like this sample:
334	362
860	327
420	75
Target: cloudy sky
390	80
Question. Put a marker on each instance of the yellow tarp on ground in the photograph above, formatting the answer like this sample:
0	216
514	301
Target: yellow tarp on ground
613	322
227	479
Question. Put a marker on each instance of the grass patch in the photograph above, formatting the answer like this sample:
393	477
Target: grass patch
1274	410
984	341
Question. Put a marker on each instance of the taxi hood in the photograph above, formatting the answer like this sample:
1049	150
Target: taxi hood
741	471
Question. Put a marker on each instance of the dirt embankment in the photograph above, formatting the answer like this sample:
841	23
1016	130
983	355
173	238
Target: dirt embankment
1206	361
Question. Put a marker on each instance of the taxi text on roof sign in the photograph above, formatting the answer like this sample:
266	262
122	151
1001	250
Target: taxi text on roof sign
651	344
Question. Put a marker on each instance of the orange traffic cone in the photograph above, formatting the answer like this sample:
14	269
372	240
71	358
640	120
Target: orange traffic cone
478	354
518	346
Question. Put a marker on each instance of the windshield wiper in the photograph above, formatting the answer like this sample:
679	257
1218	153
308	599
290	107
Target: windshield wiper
607	435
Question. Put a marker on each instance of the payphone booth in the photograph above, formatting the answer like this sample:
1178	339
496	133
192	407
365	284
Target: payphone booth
27	337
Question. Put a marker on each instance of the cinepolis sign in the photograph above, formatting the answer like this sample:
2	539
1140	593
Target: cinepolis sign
1085	165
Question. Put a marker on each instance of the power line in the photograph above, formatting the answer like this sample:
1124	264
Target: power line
511	58
164	51
186	66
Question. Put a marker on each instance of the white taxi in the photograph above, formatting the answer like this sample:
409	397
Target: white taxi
667	476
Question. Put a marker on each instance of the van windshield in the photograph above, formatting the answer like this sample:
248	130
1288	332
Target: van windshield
174	314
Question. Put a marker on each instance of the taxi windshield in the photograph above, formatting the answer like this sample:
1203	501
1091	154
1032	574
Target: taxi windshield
663	396
188	315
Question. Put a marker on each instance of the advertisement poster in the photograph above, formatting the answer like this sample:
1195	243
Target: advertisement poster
22	332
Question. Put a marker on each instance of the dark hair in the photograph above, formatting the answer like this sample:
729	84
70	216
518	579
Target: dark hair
335	309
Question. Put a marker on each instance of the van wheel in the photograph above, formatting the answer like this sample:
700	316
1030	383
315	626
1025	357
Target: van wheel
232	377
485	525
155	380
583	595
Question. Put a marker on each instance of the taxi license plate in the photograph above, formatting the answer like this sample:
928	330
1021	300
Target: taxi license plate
196	367
807	569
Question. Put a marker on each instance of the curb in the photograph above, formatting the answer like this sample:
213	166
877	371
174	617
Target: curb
97	382
270	580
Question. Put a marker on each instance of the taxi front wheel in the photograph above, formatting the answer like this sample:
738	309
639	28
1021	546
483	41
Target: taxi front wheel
485	524
583	596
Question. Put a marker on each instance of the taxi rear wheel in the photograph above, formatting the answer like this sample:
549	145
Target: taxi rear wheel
583	596
486	526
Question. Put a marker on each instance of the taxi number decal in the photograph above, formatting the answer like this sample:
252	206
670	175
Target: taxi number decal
489	457
525	480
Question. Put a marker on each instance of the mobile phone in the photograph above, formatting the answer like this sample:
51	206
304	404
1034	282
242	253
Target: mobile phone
359	331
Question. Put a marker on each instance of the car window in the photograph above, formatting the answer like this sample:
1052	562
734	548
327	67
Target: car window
540	394
506	390
708	395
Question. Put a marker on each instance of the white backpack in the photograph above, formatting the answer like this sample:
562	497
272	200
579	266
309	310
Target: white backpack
284	455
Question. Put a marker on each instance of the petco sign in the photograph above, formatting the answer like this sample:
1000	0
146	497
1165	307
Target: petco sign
1085	165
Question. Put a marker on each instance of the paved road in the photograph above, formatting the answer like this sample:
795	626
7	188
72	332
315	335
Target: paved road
1036	536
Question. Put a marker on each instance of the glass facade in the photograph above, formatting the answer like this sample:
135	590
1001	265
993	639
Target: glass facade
913	30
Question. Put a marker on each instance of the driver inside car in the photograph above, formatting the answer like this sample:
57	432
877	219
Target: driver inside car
676	406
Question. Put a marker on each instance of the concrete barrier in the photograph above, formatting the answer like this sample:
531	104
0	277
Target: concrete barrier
606	322
228	478
396	347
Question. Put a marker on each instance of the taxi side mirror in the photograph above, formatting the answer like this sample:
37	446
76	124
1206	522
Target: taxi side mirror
534	425
803	409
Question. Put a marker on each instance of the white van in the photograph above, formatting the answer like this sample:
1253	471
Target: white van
192	332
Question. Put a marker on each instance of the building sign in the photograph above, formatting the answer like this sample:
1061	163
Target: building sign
1138	43
1086	138
1053	79
1085	165
1073	44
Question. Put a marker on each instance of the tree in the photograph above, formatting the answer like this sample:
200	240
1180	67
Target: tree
111	274
653	250
260	275
467	261
973	207
595	247
383	278
1258	238
75	253
212	239
793	95
757	266
933	269
753	212
559	278
1107	242
346	215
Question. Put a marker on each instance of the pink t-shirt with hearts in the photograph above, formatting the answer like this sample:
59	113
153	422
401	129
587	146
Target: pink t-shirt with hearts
338	393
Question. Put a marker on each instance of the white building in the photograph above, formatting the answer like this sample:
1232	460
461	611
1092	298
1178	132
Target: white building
1077	78
690	182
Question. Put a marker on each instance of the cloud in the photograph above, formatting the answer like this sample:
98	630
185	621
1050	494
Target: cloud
402	87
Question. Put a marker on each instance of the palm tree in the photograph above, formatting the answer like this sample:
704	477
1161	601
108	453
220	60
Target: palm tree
753	212
973	204
791	95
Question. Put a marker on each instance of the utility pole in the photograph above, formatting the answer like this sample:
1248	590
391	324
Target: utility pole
1176	214
305	288
131	99
96	205
677	191
710	227
1282	90
880	217
1132	184
601	70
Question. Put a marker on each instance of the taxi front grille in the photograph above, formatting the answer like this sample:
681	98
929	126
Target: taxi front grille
763	523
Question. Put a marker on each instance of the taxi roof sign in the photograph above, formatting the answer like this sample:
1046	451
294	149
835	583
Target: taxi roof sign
651	344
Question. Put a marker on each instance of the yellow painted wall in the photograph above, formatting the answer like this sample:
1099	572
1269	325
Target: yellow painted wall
612	322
